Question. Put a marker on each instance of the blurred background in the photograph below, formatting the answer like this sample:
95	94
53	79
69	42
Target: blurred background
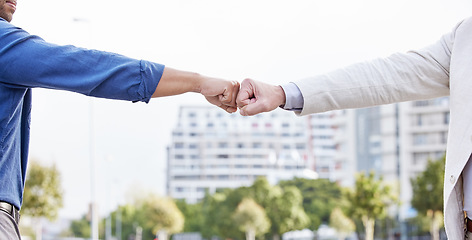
274	41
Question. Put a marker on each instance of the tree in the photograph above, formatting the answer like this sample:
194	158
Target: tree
369	200
42	194
320	197
80	228
428	194
161	216
193	215
217	209
251	218
286	212
128	219
341	223
283	207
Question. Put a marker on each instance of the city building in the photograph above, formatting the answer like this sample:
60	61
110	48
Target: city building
212	150
395	141
422	137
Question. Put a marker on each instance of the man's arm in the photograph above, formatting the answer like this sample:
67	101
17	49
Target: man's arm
414	75
28	62
219	92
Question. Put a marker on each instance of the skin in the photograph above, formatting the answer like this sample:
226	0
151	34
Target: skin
7	9
256	97
219	92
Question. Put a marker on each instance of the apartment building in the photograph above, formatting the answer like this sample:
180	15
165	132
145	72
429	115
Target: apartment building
212	150
395	141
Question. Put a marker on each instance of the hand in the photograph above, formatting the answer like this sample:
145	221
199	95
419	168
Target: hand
221	93
256	97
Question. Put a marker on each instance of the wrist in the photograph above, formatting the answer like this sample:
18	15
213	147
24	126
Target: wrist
280	94
197	82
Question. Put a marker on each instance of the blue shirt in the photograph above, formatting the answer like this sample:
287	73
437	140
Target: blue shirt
26	62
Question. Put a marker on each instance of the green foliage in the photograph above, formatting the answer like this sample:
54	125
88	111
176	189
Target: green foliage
320	197
283	207
250	217
43	193
370	197
218	209
341	223
193	215
286	212
128	216
158	213
428	194
151	213
216	214
428	187
369	200
80	228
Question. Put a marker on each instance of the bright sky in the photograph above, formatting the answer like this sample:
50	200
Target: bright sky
269	40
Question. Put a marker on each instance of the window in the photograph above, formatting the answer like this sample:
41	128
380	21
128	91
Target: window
446	118
300	146
223	145
419	139
257	145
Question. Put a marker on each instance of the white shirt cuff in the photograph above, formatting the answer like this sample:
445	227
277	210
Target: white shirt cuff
293	97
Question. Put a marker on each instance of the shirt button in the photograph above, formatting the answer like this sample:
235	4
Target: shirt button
452	179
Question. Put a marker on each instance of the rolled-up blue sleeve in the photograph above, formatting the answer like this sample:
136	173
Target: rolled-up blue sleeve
29	61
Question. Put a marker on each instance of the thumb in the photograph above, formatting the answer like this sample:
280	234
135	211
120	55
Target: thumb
253	108
246	93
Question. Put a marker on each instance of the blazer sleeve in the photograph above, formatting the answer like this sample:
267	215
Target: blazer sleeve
415	75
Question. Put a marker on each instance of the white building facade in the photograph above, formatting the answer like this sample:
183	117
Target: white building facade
395	141
212	150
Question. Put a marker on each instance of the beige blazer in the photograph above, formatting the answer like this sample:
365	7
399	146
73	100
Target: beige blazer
442	69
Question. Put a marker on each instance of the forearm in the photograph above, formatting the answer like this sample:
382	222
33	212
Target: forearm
219	92
415	75
374	83
175	82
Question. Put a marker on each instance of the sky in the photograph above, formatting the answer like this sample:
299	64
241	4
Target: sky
268	40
